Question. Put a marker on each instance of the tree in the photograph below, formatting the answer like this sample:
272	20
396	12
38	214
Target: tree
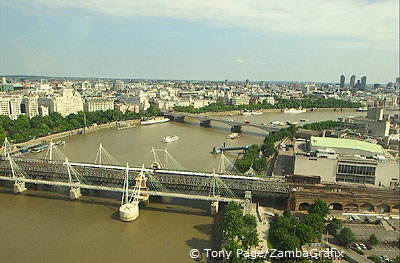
373	240
249	235
287	213
232	224
319	207
243	165
333	226
234	246
317	224
305	233
239	231
346	236
2	135
260	165
289	243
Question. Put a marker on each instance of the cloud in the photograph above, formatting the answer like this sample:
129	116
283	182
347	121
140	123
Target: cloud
362	20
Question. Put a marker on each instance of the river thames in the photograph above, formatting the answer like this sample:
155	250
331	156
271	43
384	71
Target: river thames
46	227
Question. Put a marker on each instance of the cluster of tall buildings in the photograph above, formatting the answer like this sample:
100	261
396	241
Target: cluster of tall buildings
361	84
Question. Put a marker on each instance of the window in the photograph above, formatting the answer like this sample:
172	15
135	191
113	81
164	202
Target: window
356	169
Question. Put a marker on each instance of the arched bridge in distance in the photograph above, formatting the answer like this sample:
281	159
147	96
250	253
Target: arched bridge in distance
205	121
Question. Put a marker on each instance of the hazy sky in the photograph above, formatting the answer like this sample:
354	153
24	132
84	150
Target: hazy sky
304	40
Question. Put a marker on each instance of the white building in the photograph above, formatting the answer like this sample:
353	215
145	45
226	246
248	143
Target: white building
65	103
31	106
270	100
240	100
15	107
5	106
43	111
98	103
10	106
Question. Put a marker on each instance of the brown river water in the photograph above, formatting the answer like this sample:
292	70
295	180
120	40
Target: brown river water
38	226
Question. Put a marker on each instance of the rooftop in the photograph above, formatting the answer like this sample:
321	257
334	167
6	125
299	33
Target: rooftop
347	144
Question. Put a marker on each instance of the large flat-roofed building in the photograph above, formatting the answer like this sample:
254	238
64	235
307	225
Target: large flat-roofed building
65	103
345	161
97	103
345	146
375	114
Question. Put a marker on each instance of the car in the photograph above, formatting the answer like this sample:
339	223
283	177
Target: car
363	246
357	246
385	258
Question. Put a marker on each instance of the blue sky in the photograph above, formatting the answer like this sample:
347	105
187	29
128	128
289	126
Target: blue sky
303	40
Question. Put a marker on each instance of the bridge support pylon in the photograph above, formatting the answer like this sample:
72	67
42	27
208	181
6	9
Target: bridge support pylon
129	209
236	128
19	187
248	200
146	202
74	193
205	123
214	208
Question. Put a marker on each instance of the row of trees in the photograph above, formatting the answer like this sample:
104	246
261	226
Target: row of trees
24	129
253	159
322	125
287	232
268	146
308	102
239	231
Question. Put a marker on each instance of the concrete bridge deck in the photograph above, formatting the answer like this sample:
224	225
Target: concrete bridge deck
180	116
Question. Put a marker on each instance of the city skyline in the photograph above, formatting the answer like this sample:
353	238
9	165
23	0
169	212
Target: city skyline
314	41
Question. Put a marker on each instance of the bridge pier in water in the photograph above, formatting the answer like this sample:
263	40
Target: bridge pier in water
214	208
205	123
179	118
74	193
129	211
248	200
19	187
236	128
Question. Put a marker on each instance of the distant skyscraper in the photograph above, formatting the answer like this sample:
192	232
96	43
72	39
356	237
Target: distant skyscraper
342	80
377	86
352	81
363	82
357	85
3	80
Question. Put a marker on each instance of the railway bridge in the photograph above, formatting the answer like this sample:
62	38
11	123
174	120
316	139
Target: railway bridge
23	173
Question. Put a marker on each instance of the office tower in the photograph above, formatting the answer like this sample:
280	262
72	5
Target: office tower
357	85
352	81
363	82
342	80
